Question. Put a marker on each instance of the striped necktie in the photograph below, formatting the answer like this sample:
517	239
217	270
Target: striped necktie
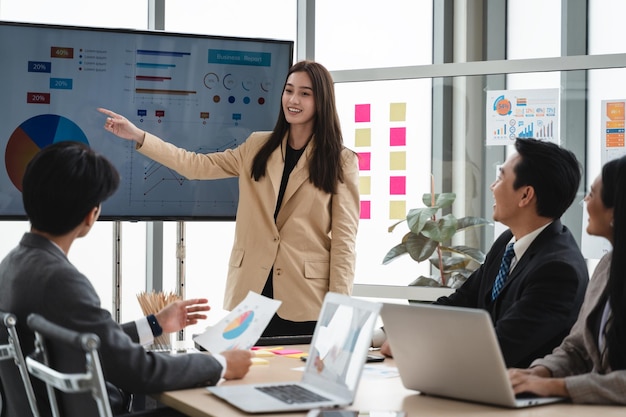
503	273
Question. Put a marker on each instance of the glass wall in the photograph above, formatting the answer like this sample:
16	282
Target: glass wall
361	34
92	255
406	118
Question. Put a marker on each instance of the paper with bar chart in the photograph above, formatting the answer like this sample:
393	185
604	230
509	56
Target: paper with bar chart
512	114
242	327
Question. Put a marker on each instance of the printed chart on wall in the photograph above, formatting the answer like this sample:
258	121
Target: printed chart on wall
613	121
242	327
515	114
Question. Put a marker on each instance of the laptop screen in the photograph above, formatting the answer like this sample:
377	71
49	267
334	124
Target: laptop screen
341	342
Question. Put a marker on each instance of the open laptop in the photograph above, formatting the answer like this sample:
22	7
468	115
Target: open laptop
337	353
451	352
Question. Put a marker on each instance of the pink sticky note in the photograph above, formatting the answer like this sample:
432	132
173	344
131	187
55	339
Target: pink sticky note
286	351
366	209
397	136
361	113
397	185
364	160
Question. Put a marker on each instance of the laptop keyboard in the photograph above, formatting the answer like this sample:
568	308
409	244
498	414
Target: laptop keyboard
292	394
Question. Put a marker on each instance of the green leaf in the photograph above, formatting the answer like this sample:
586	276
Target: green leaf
450	263
419	247
456	280
442	200
417	218
393	226
423	281
442	230
470	221
472	253
394	253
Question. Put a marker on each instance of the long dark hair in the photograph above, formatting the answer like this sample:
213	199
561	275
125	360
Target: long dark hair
325	165
614	195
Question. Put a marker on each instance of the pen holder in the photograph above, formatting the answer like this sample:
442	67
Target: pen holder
152	303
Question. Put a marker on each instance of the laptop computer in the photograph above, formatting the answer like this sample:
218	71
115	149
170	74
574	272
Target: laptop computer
336	358
451	352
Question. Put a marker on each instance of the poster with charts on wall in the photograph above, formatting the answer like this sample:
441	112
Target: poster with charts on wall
512	114
242	327
612	146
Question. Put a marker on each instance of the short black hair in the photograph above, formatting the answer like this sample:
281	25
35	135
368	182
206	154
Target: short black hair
553	171
62	183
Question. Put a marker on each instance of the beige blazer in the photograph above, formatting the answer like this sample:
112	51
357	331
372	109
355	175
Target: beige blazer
312	243
588	374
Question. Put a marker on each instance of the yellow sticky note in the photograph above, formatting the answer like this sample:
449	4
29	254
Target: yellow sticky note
397	210
263	353
365	185
296	355
362	137
397	112
260	361
397	161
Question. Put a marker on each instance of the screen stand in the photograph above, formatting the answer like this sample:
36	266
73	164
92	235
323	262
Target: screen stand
117	271
180	270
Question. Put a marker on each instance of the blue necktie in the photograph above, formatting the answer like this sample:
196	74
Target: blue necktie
503	273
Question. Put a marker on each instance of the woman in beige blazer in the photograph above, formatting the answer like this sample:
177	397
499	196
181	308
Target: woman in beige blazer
590	364
298	200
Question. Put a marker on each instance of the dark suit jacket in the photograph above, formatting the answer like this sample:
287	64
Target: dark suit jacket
37	277
540	300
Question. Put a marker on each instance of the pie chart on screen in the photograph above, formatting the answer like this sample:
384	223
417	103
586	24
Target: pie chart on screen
32	136
239	325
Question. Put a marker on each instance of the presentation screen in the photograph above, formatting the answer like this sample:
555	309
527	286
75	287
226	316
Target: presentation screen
202	93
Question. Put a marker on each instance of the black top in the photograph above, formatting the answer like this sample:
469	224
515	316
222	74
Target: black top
279	326
291	159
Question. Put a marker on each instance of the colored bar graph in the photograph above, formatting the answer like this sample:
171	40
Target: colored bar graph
528	132
161	53
545	131
151	78
500	132
153	65
157	91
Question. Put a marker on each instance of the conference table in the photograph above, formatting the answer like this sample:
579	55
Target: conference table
379	389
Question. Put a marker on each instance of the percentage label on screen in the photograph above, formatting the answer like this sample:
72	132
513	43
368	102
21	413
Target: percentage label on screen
61	83
38	66
38	98
61	52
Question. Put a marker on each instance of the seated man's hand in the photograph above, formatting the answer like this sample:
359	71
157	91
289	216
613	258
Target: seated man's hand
385	349
182	313
238	363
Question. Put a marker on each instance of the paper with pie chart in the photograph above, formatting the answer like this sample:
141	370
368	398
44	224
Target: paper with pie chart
242	327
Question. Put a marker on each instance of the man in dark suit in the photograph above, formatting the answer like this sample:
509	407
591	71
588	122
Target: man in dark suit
534	303
63	188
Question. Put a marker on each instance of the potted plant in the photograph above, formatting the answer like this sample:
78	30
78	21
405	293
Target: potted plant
426	241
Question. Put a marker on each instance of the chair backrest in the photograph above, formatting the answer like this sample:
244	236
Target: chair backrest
11	350
54	345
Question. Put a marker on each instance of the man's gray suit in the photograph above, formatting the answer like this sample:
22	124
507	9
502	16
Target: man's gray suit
37	277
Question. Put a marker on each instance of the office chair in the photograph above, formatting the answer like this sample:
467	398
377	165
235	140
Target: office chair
69	364
13	401
54	361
